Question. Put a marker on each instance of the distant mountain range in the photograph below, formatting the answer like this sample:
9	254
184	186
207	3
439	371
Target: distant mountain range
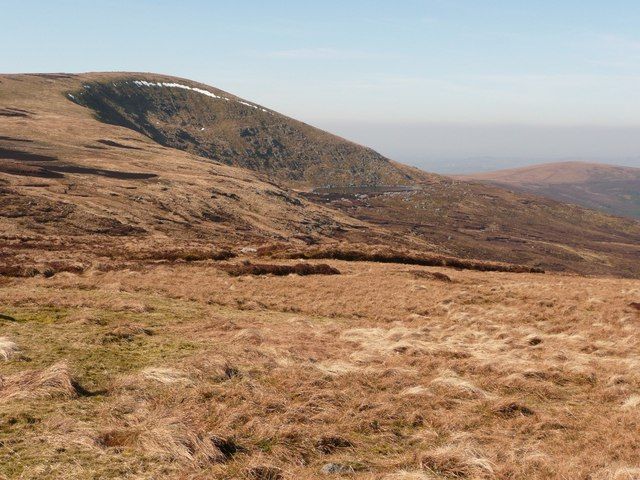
609	188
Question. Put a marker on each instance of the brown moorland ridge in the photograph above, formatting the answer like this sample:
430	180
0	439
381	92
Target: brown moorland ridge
610	188
75	190
98	176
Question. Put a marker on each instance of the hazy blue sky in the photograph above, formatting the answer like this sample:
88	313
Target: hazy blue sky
421	80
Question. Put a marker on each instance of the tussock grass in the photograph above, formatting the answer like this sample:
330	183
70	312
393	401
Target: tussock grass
439	276
513	409
163	435
18	271
48	269
361	374
633	401
618	472
165	375
126	333
408	475
54	381
457	461
452	386
331	443
262	472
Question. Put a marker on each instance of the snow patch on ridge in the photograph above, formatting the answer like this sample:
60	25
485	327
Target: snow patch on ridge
144	83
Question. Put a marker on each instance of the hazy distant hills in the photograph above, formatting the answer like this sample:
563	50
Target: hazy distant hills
612	189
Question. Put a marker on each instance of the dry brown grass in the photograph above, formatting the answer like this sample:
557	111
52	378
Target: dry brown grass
18	271
110	261
54	381
187	254
457	461
431	275
126	332
48	269
165	436
377	373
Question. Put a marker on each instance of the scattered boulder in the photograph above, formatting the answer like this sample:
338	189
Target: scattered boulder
337	469
8	349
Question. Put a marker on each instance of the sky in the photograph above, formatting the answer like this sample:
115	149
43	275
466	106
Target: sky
449	85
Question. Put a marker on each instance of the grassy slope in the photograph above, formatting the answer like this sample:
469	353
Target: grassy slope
490	376
104	182
148	369
471	220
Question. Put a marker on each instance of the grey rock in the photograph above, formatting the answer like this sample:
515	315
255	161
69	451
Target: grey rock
336	469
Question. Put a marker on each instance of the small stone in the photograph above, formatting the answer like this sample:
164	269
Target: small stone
336	469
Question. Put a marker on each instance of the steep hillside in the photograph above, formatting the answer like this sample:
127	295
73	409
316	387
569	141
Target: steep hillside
70	183
609	188
211	123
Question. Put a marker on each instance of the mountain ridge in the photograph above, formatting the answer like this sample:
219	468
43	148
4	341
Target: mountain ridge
147	103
